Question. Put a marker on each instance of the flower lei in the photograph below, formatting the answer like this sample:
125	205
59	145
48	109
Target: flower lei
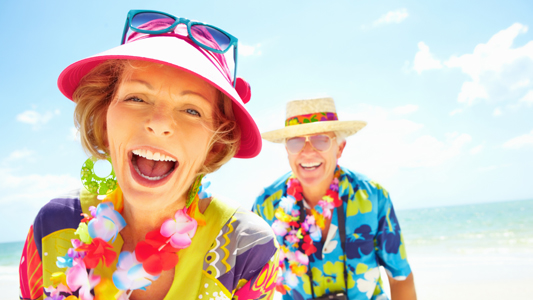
299	236
134	270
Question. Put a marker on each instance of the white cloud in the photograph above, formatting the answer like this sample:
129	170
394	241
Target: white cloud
477	149
387	144
520	141
20	154
33	189
33	117
497	71
405	110
249	50
492	167
424	60
456	111
497	112
396	16
527	99
520	84
470	92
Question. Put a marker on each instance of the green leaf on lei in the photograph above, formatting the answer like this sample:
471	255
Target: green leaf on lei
359	204
83	233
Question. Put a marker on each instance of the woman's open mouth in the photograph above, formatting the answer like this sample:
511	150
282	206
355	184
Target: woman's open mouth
152	166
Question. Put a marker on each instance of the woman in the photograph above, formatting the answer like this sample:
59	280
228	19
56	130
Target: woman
335	226
165	108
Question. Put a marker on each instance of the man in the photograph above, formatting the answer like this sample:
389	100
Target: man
335	227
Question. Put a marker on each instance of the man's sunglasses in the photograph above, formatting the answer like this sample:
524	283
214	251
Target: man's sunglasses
320	143
208	37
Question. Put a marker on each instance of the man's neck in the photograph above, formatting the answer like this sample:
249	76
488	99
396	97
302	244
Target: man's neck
314	193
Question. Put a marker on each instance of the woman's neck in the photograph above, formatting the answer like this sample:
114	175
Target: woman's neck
314	193
140	221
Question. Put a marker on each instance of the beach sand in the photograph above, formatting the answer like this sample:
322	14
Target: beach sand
470	276
443	277
9	283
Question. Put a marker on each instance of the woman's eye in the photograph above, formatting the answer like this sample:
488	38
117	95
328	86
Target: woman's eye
193	112
135	99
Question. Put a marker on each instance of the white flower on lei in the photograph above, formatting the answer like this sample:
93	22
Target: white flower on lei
291	279
368	285
287	203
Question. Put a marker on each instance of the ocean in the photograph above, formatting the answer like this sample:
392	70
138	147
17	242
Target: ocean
466	252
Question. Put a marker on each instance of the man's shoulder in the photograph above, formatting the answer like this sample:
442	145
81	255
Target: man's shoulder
361	181
355	177
277	187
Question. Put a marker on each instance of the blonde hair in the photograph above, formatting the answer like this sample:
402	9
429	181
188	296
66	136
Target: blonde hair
96	91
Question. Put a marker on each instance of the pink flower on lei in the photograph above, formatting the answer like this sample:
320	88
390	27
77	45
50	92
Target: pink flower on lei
292	237
298	257
280	228
78	278
326	208
181	229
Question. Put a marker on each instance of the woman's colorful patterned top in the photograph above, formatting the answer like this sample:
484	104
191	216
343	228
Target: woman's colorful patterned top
373	238
233	257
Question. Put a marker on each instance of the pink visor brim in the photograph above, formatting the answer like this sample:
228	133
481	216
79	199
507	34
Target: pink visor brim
178	53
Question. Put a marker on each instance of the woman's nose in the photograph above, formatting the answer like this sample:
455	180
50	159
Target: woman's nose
161	122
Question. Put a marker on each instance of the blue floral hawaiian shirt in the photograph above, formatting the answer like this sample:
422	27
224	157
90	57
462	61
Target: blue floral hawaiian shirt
373	239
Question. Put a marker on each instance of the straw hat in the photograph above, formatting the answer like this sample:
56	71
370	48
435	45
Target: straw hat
311	116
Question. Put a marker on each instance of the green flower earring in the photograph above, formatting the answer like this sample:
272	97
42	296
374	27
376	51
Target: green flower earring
95	184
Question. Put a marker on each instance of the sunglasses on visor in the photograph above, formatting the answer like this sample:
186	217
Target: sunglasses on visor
208	37
320	143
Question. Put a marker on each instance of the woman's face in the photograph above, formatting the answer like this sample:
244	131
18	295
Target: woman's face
312	167
158	129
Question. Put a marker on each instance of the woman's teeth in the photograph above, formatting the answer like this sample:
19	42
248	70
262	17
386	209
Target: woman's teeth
153	165
153	155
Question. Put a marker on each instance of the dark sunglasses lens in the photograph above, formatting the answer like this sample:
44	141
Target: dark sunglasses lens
296	144
320	142
151	21
210	37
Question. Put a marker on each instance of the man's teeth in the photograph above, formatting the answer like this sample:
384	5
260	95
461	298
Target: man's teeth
310	165
153	155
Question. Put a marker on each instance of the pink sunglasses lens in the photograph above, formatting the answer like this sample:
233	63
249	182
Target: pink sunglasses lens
320	142
296	144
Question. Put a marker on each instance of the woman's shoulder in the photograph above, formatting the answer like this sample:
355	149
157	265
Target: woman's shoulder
248	235
59	213
248	221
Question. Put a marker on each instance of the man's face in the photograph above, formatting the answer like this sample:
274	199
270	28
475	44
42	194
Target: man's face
313	167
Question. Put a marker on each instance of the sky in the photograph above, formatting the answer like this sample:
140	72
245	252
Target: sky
446	88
